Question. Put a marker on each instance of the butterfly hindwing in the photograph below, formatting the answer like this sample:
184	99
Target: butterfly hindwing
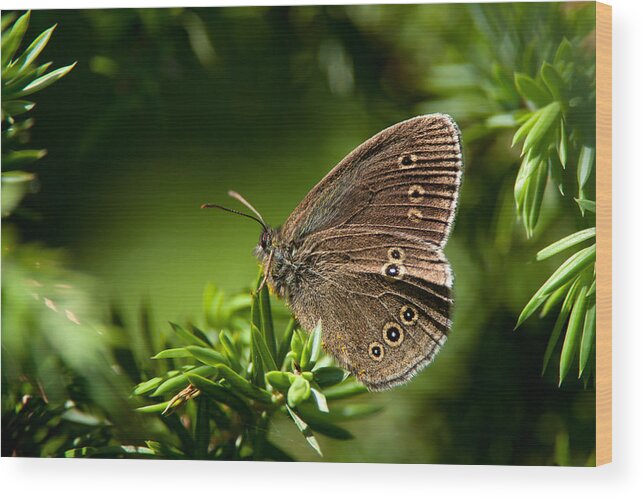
381	327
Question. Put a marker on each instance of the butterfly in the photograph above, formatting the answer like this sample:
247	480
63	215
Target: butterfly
363	252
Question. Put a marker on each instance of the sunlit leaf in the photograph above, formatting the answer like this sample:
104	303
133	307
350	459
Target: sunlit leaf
260	349
592	288
16	107
299	391
44	81
242	385
268	328
587	341
565	272
312	348
322	423
165	450
319	399
524	129
33	51
554	81
566	243
207	355
6	20
147	386
188	336
109	451
20	158
15	185
561	146
297	344
329	376
230	350
531	162
574	265
561	320
586	204
156	408
532	90
280	380
585	165
556	173
564	52
222	395
572	336
11	40
536	198
554	298
172	353
305	430
180	381
548	117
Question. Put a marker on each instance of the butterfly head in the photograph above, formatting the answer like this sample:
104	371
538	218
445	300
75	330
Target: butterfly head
266	245
265	241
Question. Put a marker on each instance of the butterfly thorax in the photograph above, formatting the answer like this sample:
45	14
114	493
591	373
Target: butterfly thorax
280	262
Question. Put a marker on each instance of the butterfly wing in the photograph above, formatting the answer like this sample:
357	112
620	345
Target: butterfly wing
381	325
404	179
363	251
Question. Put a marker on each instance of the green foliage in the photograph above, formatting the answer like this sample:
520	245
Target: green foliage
240	383
561	101
184	83
541	82
58	383
21	77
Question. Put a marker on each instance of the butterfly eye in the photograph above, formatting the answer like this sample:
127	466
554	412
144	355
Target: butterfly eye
407	160
376	351
396	253
263	241
416	192
408	315
393	270
393	334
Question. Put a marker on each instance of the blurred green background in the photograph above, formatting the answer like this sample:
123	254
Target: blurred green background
170	108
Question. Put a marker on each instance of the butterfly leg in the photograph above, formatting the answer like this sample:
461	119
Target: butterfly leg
265	272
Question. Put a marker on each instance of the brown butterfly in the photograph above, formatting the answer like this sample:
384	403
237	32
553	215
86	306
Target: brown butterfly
363	251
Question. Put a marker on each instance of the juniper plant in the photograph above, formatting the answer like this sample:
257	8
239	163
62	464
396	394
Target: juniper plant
539	84
21	77
230	380
558	138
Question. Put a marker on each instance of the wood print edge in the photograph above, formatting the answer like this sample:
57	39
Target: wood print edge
603	233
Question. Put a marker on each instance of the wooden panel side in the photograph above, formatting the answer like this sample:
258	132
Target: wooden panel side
604	233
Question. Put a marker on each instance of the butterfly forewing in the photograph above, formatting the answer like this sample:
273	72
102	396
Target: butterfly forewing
406	179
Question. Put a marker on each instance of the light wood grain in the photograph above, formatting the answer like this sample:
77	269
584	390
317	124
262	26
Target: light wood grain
604	234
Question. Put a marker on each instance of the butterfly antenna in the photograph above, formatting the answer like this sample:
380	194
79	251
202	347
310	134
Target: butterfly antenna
234	211
239	197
